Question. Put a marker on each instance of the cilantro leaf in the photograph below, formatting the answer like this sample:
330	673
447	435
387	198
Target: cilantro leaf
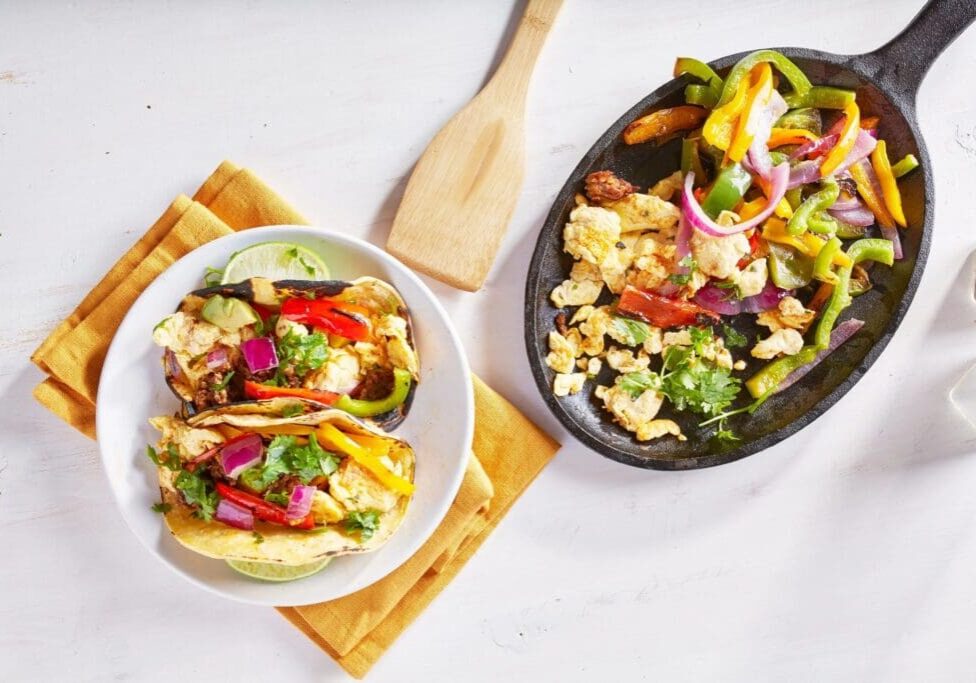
310	461
733	338
276	498
171	460
304	353
690	265
197	492
366	522
636	383
292	410
726	435
284	456
162	508
634	332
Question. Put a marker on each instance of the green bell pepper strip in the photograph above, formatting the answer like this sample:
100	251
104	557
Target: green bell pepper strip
822	223
801	84
729	188
821	97
794	197
700	70
822	264
691	160
815	203
700	95
805	118
846	231
772	375
788	269
906	165
402	380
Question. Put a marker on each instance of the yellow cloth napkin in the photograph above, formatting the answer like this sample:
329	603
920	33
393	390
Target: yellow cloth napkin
357	629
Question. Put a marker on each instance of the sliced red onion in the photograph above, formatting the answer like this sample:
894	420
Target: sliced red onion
682	242
716	299
814	146
859	216
173	365
234	515
240	453
217	358
804	173
300	502
838	336
758	155
863	146
259	354
697	217
846	204
891	233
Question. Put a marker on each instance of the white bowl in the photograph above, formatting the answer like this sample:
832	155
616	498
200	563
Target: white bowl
439	425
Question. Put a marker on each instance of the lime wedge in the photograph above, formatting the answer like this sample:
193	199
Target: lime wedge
275	261
277	572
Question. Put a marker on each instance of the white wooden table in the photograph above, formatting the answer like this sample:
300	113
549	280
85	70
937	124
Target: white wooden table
846	553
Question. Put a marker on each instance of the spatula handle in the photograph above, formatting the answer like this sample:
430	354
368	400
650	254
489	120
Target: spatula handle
513	74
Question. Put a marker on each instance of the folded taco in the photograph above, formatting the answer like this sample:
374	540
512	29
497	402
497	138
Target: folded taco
280	481
348	345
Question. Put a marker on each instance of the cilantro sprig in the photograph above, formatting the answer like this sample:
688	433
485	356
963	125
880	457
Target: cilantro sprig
365	522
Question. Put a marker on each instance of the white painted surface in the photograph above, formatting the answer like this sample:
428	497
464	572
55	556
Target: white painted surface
846	553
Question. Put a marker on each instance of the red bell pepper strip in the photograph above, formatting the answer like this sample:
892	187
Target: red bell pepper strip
259	391
658	310
262	509
335	317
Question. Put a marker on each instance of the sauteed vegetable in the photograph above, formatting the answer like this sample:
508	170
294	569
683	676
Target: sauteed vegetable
785	200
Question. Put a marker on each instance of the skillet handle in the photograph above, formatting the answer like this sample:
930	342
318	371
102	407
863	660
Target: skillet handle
904	60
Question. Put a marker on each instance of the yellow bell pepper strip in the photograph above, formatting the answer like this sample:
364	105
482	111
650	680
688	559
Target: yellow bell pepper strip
720	125
293	430
801	84
330	436
664	123
908	164
402	381
822	264
889	185
789	136
819	201
845	142
774	230
375	445
866	189
756	99
821	97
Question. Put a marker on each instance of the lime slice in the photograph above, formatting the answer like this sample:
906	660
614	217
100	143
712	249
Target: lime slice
275	261
277	572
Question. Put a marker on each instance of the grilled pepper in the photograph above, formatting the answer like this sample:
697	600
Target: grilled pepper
658	310
260	391
335	317
889	185
862	174
360	408
801	84
757	98
822	264
730	186
845	141
906	165
720	125
821	97
663	123
262	509
815	203
334	438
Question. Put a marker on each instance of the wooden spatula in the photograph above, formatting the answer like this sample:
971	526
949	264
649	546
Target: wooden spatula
462	193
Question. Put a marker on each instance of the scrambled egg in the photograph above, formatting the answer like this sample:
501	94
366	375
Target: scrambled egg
786	342
591	234
713	350
789	314
357	489
591	366
572	293
398	349
718	256
326	509
583	271
645	212
581	314
370	355
614	269
568	383
190	441
596	325
563	351
655	341
623	360
341	373
752	279
653	262
658	428
284	326
666	188
186	335
634	415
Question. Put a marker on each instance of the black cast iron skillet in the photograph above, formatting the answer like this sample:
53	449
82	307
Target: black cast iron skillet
886	81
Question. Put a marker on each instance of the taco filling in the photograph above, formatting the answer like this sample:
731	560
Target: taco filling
281	482
343	344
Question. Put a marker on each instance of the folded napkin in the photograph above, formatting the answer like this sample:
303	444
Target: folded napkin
357	629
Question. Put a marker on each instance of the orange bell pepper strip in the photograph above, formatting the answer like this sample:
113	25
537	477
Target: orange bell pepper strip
790	136
867	191
720	124
869	122
664	123
363	456
757	97
889	186
845	141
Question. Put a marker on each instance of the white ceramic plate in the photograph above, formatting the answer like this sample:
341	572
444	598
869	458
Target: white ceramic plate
439	425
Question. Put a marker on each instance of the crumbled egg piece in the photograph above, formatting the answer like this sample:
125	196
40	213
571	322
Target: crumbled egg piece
658	428
789	314
593	366
563	351
718	256
340	373
591	234
583	271
581	314
571	293
785	342
283	326
326	509
645	212
593	329
398	349
624	360
633	414
666	188
653	262
568	383
358	489
752	279
184	334
654	343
